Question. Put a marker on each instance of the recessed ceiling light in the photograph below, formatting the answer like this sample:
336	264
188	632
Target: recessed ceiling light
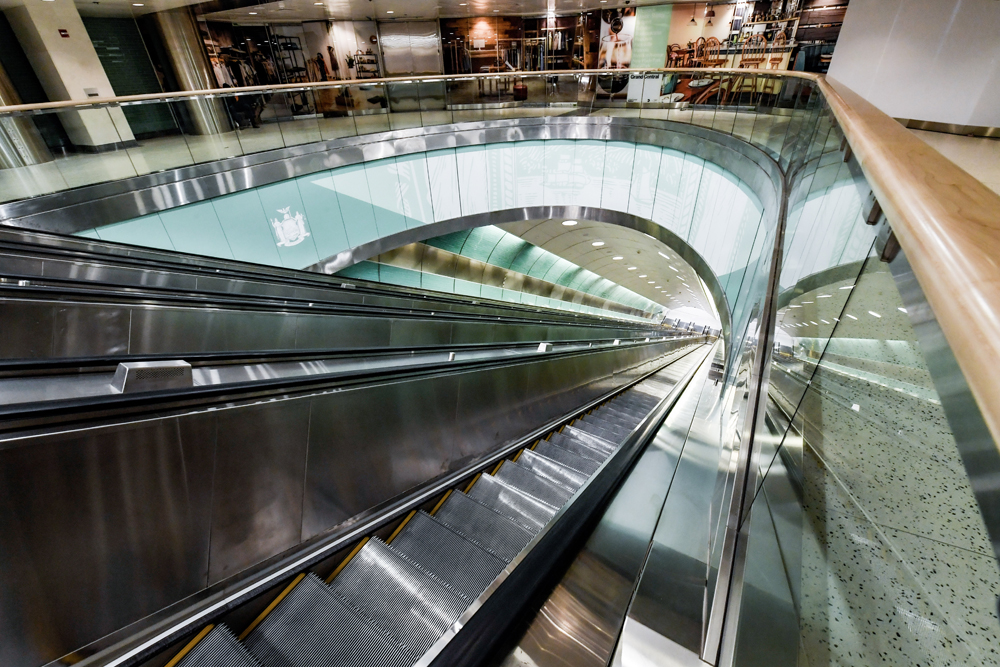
569	223
138	4
597	244
651	282
632	268
617	257
389	11
643	275
495	10
253	13
318	4
873	313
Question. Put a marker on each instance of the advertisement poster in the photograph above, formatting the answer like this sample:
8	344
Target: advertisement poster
617	32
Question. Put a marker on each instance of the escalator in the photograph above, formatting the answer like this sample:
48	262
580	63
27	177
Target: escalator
390	601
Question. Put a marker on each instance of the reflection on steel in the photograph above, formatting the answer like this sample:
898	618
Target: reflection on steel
191	499
580	622
423	257
83	208
20	143
182	44
133	376
670	596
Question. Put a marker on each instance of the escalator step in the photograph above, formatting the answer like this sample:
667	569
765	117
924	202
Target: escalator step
623	415
467	567
314	627
602	444
521	508
219	648
484	526
603	422
415	607
551	470
578	446
535	486
568	458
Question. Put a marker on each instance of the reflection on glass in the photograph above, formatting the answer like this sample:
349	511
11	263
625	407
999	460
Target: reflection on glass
892	563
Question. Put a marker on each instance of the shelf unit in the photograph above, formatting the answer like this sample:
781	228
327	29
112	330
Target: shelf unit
366	65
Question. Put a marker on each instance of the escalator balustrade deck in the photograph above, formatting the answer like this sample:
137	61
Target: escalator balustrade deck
389	601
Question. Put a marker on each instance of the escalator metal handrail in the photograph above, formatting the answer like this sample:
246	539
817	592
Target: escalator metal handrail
227	595
17	417
485	628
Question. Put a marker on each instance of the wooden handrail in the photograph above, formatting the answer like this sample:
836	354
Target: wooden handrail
947	222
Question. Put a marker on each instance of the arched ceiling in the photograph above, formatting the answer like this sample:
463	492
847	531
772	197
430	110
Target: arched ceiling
647	266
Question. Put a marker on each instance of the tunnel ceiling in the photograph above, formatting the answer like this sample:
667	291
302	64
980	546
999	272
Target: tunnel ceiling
659	273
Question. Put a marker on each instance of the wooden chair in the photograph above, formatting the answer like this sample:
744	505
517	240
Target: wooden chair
777	56
712	54
754	52
698	53
778	46
675	56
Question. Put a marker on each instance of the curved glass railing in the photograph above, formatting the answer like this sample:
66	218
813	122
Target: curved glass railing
766	109
855	516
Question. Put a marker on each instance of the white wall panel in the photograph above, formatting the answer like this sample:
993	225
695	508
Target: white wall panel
619	157
645	173
442	173
473	183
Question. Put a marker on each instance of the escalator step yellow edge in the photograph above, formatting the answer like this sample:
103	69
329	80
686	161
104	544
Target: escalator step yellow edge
400	527
497	469
473	482
537	442
441	502
343	563
274	603
190	645
518	455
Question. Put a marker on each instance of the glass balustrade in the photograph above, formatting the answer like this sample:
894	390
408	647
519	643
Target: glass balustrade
842	504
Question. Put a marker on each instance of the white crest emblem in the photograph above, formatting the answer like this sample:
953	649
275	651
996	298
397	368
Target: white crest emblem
290	230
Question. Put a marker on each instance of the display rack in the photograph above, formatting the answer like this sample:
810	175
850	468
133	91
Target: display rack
366	65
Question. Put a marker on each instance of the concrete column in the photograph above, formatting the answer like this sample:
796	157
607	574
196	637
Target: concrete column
20	143
60	51
192	70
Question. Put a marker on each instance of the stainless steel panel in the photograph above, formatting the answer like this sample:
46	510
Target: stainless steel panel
81	330
425	47
178	330
670	595
99	528
369	445
318	332
258	492
32	338
579	623
412	332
